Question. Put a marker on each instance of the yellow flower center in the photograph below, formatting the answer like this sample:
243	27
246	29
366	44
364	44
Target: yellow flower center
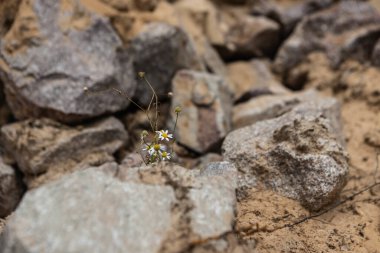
164	154
157	147
165	135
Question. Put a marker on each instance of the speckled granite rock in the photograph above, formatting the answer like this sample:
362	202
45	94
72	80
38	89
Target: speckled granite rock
298	154
53	51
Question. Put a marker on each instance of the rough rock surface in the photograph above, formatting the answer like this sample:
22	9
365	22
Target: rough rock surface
56	49
206	102
298	154
161	50
341	31
267	107
44	148
288	13
205	200
10	189
92	201
253	78
89	203
250	36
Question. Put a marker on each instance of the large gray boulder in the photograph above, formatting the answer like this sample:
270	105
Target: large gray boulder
161	50
53	51
160	208
348	29
90	211
206	102
299	154
45	149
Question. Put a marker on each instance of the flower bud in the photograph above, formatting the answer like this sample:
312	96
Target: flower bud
141	74
178	109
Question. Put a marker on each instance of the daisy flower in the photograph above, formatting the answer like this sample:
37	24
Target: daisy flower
147	146
156	148
165	155
164	135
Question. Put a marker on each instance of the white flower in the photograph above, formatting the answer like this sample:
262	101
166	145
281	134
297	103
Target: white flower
156	148
147	146
164	135
165	155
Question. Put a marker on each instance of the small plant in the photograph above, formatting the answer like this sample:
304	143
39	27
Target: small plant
156	145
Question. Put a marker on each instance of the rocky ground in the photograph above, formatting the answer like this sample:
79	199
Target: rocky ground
280	121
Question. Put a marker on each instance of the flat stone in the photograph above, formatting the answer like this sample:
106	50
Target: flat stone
46	149
90	211
267	107
161	50
55	50
299	154
353	24
206	103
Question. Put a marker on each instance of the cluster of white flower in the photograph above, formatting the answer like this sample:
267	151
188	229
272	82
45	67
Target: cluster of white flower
156	151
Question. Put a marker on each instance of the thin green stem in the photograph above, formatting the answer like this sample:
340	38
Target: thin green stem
156	102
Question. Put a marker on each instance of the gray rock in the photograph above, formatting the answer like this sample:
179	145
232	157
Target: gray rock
206	103
11	189
289	14
250	36
214	202
161	50
253	78
206	200
203	161
267	107
348	29
53	52
298	154
45	149
159	208
90	211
